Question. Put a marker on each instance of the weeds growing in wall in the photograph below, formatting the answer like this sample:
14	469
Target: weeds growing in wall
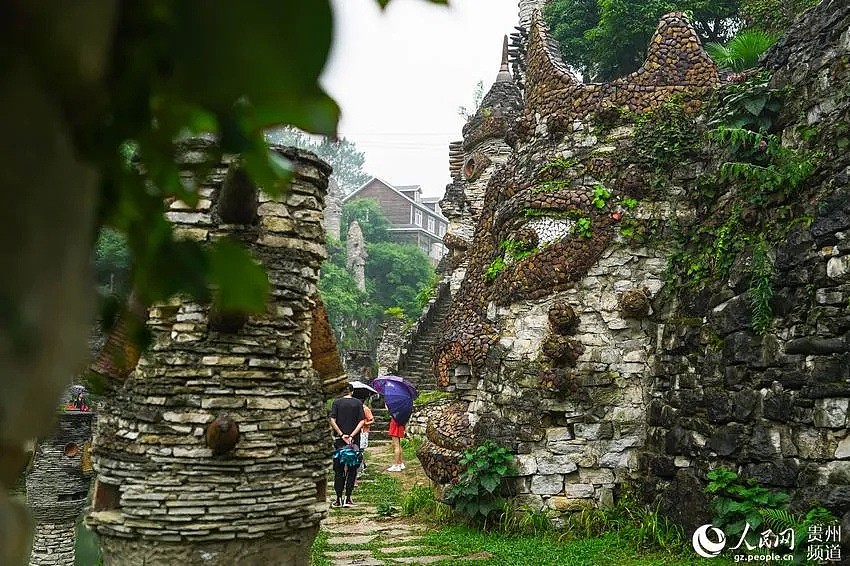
476	493
746	204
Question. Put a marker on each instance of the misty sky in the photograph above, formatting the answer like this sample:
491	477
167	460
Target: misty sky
400	76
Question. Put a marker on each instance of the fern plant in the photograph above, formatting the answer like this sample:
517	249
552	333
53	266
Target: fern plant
782	521
761	288
765	167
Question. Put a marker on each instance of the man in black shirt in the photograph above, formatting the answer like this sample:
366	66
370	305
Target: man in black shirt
347	419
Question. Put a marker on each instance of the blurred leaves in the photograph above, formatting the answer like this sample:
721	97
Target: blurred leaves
240	282
136	79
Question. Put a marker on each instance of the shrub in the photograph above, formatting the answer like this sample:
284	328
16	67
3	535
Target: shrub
476	491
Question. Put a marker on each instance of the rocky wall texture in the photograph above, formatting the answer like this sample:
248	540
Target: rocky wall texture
389	347
472	162
215	450
771	404
58	485
546	347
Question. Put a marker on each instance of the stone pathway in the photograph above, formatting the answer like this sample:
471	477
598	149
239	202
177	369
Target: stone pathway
361	536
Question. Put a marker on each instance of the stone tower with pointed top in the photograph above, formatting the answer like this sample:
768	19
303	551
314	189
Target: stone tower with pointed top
472	161
58	484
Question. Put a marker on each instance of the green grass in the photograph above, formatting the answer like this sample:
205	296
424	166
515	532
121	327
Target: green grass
628	534
317	551
378	488
409	446
505	550
427	397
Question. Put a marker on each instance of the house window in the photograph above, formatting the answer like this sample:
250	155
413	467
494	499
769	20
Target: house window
424	247
417	217
442	229
431	225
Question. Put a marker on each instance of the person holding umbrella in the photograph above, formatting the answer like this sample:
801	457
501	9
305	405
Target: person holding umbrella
347	420
399	395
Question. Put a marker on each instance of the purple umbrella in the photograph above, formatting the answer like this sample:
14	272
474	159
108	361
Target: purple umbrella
399	395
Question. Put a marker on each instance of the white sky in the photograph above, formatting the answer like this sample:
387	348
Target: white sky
400	76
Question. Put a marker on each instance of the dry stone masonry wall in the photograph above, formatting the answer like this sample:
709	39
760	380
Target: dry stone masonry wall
772	405
215	451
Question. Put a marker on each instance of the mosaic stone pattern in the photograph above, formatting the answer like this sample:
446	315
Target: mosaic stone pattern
554	97
544	194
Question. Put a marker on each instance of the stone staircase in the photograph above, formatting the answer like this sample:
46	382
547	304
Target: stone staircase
381	426
414	364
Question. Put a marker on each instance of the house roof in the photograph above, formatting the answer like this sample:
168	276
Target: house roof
397	190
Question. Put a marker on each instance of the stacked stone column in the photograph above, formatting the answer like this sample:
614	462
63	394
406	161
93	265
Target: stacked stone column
57	487
216	451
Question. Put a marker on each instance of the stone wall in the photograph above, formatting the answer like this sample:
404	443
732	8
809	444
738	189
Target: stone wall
773	406
57	487
216	450
389	346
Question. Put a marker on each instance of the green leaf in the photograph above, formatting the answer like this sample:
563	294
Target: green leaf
216	63
270	170
240	282
755	105
490	483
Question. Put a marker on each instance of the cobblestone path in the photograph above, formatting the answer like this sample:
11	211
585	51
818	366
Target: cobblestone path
361	536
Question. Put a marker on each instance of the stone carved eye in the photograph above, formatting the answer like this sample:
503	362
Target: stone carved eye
474	165
551	229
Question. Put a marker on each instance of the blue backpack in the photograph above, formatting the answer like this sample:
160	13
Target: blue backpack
349	455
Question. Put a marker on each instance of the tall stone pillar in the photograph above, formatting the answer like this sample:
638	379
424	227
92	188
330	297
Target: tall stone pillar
355	260
57	487
216	451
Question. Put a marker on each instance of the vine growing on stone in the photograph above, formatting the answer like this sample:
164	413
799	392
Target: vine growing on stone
663	138
761	288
